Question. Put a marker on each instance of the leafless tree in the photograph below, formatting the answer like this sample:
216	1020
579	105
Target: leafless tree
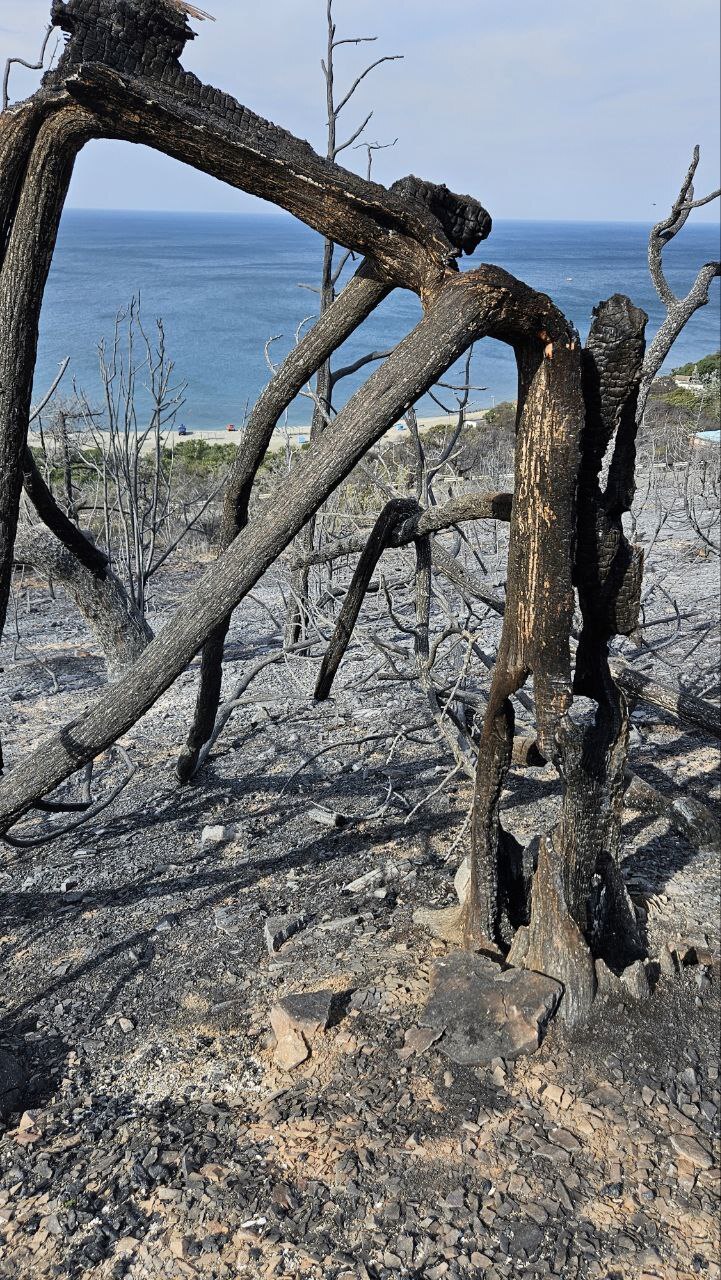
326	379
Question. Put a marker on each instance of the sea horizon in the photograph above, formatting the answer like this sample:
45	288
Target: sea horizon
225	282
274	211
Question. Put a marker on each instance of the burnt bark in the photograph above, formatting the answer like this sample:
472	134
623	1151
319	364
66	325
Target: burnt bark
608	574
538	613
33	215
118	626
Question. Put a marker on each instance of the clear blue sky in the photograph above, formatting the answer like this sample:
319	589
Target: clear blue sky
553	110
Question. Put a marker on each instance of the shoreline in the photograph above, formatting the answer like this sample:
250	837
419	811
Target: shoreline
293	436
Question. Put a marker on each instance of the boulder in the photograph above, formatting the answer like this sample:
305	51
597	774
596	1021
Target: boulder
486	1011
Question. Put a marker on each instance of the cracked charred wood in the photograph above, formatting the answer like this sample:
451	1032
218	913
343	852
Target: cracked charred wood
608	575
73	538
487	301
580	884
124	65
360	297
538	613
25	266
117	624
396	510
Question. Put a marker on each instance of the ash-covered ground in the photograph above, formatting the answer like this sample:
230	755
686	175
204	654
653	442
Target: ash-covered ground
151	1130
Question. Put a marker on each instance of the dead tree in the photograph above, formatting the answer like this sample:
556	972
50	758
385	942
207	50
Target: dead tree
330	275
560	903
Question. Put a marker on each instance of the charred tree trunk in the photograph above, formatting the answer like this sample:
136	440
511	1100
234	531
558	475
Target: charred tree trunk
118	626
37	159
537	618
579	907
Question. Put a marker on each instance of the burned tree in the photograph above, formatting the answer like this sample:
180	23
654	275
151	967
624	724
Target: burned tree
558	904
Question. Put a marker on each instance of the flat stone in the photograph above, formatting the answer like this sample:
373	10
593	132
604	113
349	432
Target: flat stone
12	1082
418	1040
306	1013
279	929
487	1012
445	922
218	834
291	1051
526	1237
341	922
565	1139
462	880
689	1149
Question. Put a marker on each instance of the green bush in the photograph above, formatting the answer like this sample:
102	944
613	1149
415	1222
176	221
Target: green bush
706	367
201	457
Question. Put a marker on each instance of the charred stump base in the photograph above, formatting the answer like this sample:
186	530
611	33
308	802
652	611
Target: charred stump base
560	906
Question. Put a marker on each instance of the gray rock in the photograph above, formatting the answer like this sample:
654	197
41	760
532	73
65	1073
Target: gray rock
565	1139
217	834
487	1012
368	881
12	1083
230	919
307	1012
278	929
609	984
341	922
635	981
667	963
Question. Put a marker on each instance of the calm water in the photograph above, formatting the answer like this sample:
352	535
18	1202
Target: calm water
225	283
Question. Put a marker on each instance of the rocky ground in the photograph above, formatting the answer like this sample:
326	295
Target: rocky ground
169	1111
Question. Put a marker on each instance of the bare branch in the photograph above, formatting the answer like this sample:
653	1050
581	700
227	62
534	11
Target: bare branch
389	57
20	62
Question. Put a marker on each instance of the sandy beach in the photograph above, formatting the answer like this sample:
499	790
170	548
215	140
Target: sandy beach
294	436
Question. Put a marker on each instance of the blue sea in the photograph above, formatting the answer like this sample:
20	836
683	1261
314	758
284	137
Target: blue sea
225	283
